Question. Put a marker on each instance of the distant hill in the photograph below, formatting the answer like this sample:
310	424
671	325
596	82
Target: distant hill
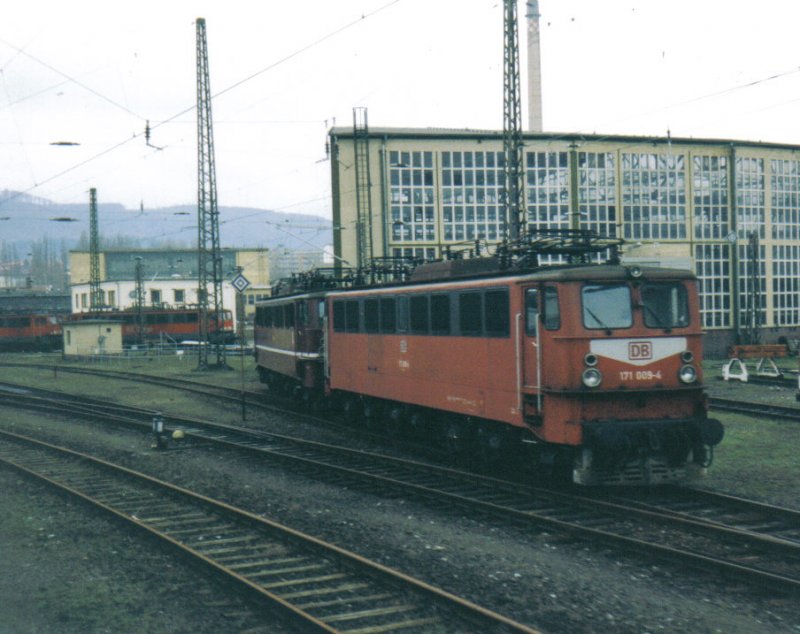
31	219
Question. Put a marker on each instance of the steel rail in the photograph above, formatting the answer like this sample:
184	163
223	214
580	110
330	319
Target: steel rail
316	583
771	559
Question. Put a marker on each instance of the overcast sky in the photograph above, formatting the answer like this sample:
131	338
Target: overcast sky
93	72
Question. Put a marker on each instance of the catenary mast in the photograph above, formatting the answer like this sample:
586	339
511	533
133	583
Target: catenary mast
209	264
514	203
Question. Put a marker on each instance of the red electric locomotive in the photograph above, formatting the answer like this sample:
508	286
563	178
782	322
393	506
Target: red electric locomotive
29	330
596	367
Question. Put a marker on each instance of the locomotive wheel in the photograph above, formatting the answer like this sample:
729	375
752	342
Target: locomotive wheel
351	408
456	439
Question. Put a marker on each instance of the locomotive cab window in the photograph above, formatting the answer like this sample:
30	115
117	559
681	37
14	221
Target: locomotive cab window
607	306
531	312
665	305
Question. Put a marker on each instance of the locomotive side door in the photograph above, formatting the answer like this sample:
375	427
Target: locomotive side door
531	350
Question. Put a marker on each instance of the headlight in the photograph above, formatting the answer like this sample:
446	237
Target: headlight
687	356
591	377
590	359
687	374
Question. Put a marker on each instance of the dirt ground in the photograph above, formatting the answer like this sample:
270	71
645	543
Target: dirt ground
67	570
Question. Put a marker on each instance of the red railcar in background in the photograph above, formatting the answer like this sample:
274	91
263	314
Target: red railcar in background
30	330
164	324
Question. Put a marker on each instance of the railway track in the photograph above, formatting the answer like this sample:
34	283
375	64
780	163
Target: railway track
735	537
255	398
319	586
760	410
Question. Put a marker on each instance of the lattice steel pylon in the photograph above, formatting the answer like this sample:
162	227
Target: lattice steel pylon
513	192
95	292
209	260
363	188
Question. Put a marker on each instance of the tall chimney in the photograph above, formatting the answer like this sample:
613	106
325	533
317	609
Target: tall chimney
534	68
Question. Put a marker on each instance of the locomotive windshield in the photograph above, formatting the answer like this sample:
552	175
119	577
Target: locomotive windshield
607	306
665	305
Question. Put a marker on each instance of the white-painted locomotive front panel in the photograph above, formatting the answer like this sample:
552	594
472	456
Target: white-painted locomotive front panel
639	351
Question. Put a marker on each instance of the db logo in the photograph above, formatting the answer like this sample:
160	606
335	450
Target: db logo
640	350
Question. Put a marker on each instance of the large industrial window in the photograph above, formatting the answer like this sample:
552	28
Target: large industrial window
786	285
471	196
470	315
785	187
371	321
597	203
750	196
440	314
548	190
419	314
415	253
496	313
710	188
412	196
654	196
388	315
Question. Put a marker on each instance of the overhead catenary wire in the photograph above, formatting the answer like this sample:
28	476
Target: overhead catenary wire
191	108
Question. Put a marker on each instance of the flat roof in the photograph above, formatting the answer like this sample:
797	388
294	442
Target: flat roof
466	134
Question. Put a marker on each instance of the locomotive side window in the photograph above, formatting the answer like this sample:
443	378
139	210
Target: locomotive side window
531	312
552	311
371	315
665	305
288	315
339	320
302	313
402	314
419	314
607	306
440	314
351	315
388	315
495	306
470	315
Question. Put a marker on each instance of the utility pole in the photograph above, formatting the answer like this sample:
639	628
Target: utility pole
363	188
95	292
513	194
208	246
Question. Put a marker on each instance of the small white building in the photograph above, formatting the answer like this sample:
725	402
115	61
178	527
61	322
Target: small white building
92	337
